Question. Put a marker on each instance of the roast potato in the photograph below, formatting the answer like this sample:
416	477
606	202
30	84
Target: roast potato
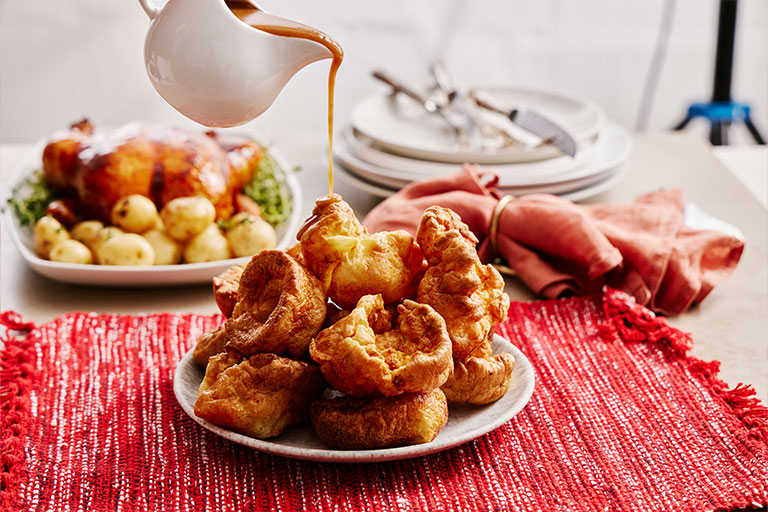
71	251
167	250
210	245
187	217
126	249
249	235
105	234
134	214
87	232
48	233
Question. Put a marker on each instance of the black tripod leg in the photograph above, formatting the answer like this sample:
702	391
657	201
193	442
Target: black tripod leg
682	124
753	131
716	133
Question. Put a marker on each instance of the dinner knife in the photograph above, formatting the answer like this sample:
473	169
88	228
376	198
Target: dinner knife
528	120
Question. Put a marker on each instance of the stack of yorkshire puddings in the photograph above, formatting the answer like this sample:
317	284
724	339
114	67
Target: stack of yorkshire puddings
399	327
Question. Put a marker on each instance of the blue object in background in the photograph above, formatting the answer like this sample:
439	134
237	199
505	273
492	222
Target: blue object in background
722	111
721	115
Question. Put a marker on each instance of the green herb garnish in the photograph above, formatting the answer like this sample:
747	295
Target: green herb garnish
269	190
227	224
223	224
31	198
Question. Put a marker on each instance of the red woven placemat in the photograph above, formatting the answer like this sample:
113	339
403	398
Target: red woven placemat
621	419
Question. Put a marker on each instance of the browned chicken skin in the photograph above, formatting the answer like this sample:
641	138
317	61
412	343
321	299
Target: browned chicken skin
156	161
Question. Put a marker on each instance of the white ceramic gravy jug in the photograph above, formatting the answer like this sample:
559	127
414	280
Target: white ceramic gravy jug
216	69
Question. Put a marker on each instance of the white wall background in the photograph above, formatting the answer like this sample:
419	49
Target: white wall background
64	59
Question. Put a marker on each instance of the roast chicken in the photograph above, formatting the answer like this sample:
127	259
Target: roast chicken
159	162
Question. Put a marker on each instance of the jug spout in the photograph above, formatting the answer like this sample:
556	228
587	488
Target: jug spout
300	43
306	52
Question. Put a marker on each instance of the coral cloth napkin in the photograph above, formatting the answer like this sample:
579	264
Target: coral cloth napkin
621	418
559	248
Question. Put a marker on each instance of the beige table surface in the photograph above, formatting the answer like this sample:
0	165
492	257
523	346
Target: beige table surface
731	325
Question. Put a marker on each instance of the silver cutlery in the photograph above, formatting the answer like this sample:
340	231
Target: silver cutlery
444	81
459	126
529	120
480	133
455	100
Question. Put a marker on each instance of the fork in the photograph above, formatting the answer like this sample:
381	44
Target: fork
460	127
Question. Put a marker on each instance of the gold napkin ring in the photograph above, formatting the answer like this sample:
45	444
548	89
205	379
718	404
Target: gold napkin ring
494	230
494	234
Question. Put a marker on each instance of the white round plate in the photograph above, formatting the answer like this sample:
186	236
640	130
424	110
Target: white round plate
612	149
359	183
465	423
362	147
107	275
402	126
612	178
616	176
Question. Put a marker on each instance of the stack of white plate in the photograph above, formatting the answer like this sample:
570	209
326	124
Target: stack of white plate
391	142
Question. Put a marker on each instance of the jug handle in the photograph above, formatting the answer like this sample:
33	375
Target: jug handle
149	8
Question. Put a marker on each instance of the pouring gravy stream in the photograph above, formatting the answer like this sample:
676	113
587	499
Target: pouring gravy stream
244	10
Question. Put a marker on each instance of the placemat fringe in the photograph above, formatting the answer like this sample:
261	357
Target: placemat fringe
14	322
17	372
632	322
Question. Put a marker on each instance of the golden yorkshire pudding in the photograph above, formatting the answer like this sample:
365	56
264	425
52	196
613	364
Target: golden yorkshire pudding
469	295
361	355
225	287
209	344
334	313
480	379
350	262
348	423
258	396
294	252
280	307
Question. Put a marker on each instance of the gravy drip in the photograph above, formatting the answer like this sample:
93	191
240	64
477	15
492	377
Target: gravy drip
320	203
244	10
